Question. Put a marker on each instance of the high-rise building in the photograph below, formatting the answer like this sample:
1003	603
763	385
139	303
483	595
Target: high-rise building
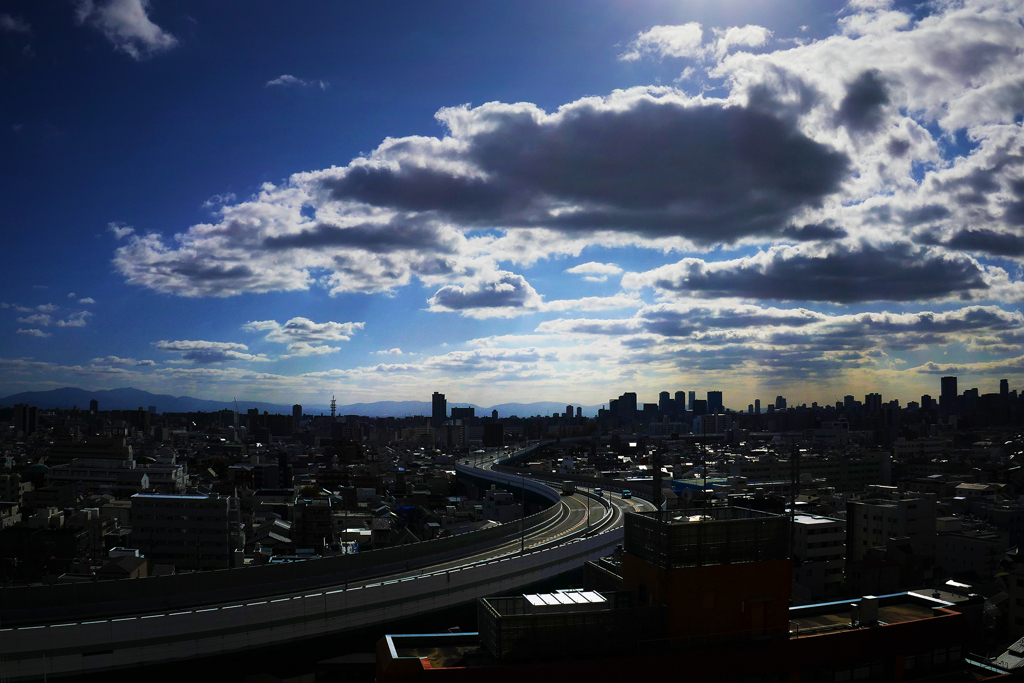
947	395
627	406
780	403
1004	388
579	412
757	406
665	403
438	410
680	406
94	406
25	419
692	396
873	403
297	414
715	402
849	402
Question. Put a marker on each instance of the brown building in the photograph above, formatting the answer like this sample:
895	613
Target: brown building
715	592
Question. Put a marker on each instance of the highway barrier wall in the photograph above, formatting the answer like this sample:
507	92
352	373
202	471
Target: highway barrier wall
36	604
105	644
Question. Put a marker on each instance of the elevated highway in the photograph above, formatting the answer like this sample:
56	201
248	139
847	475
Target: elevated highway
53	641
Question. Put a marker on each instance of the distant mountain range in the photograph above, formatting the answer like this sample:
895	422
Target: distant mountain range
131	399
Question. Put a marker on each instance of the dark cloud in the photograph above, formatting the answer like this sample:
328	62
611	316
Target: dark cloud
988	242
380	239
671	322
897	272
897	147
810	233
710	173
863	108
924	214
508	291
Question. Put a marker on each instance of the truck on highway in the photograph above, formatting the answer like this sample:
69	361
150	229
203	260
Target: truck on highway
568	488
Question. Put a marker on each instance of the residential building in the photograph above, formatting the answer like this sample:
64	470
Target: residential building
188	530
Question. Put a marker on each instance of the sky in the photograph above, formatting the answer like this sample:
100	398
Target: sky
539	200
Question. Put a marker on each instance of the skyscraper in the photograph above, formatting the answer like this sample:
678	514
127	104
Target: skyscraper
947	395
757	406
94	406
680	407
780	403
689	405
296	416
715	402
627	406
438	410
1004	388
664	403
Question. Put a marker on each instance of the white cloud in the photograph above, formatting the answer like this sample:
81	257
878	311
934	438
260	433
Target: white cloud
120	231
289	80
34	332
389	352
14	25
745	36
87	300
47	308
76	319
667	41
127	25
40	319
303	336
595	272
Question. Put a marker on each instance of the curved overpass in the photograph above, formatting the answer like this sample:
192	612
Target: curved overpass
561	538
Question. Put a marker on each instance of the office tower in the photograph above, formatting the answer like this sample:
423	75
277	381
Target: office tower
757	406
873	403
494	414
297	413
579	412
94	406
750	408
152	410
568	412
680	403
926	402
715	402
700	407
665	403
693	395
780	403
1004	388
947	395
438	410
848	402
627	406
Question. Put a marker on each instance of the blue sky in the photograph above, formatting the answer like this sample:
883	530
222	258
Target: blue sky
511	201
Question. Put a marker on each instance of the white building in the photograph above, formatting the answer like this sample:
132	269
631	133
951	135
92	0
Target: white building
819	551
890	515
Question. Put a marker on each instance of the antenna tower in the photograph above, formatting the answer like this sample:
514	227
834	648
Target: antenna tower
334	406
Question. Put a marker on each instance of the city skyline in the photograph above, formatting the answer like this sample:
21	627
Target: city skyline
548	202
